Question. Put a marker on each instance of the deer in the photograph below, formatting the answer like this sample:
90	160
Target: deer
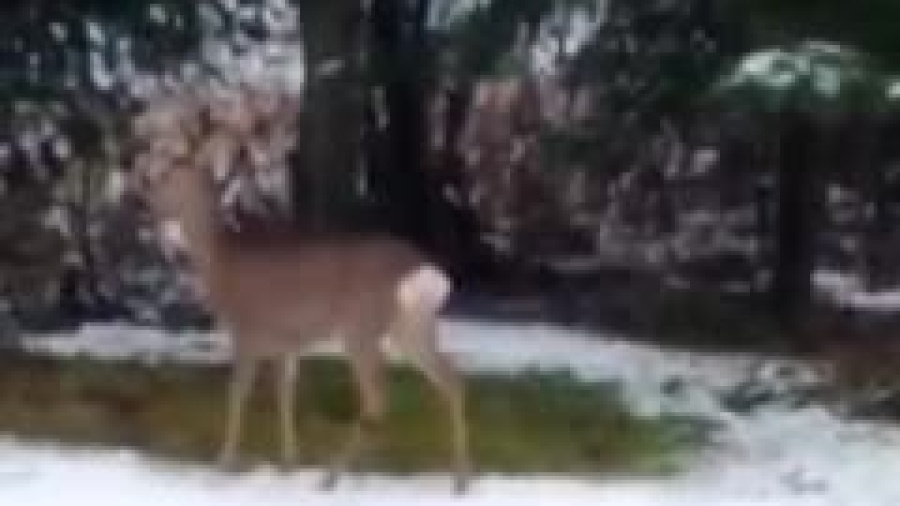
278	294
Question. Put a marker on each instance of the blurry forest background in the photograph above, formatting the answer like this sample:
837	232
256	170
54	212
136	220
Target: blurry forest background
717	171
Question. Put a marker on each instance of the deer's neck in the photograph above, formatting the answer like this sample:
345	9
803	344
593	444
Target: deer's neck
199	223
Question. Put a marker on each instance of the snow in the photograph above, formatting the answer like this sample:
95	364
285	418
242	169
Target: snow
772	67
893	89
829	68
849	291
59	31
775	454
57	218
101	75
94	32
40	474
157	13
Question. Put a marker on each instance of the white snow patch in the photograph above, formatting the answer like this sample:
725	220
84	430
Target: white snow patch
41	475
94	32
893	90
849	290
101	75
59	31
157	13
57	218
828	67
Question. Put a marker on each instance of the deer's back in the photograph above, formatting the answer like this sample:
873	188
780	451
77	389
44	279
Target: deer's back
302	289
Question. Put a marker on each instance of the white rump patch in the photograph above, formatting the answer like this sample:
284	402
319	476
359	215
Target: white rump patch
425	288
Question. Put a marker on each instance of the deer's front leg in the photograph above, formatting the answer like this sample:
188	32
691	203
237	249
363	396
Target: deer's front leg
285	392
242	378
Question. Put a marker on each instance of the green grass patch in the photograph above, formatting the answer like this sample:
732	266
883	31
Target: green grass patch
522	423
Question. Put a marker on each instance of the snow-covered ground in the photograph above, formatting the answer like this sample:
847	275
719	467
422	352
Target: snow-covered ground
774	454
849	290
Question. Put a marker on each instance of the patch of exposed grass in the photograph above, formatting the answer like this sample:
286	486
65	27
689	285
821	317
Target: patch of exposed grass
528	422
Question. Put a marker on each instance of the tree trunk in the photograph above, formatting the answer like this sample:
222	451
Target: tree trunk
331	121
877	226
459	241
791	287
400	180
412	184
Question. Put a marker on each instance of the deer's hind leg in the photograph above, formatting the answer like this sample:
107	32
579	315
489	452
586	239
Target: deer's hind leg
417	337
368	367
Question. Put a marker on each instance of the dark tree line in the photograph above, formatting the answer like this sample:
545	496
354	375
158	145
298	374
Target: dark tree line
507	138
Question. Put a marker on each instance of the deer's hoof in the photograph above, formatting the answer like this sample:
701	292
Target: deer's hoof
462	484
228	463
330	480
287	464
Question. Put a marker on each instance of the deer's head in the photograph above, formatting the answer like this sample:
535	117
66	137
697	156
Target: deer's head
197	150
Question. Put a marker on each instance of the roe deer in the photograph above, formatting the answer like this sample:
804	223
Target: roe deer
279	294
